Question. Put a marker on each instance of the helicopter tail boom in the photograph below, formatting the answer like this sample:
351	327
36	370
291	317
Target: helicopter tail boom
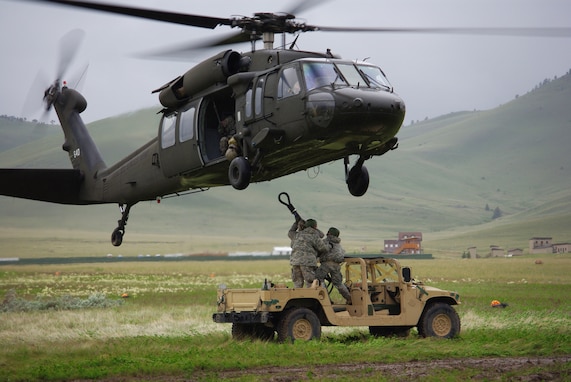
46	185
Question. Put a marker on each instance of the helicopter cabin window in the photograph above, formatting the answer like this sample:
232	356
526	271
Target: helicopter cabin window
319	74
259	96
288	84
375	76
168	125
248	107
186	126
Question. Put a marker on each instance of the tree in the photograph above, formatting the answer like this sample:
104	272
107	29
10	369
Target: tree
497	213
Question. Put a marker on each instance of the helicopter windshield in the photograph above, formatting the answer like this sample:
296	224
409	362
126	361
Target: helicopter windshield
351	75
319	74
375	76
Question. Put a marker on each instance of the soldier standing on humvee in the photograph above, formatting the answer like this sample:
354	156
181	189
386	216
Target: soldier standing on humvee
307	246
330	263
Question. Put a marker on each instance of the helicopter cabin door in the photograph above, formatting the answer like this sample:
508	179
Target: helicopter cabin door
179	151
289	104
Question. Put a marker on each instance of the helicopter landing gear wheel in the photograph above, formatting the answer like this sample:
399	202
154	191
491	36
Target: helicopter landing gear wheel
117	235
239	173
358	180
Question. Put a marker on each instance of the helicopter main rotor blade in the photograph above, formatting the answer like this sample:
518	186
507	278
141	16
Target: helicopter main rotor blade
151	14
531	31
303	5
182	51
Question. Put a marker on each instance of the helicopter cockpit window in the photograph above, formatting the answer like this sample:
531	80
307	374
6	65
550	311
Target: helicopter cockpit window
319	74
288	84
351	75
168	125
375	76
186	126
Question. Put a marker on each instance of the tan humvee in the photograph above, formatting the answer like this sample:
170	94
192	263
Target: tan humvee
384	298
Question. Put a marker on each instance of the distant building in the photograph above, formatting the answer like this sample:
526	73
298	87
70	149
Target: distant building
540	245
546	245
515	252
473	252
562	248
407	243
281	251
496	251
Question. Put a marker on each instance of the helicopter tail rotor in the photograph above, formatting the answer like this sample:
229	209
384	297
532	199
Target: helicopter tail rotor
68	47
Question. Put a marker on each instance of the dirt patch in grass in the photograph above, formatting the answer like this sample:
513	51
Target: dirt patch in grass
490	369
540	369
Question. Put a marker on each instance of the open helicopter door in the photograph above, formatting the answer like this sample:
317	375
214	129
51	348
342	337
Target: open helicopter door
216	125
179	152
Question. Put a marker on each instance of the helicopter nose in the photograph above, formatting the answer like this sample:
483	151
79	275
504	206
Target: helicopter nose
359	110
371	103
320	108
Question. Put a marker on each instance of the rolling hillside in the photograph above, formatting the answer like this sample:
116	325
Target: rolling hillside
446	179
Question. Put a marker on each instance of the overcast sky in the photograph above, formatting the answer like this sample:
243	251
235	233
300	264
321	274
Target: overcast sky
435	74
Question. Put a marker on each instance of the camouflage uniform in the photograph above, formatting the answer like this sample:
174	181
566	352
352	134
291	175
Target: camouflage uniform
295	228
226	129
330	264
306	247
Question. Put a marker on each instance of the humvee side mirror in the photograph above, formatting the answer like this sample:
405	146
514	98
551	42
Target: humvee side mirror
406	274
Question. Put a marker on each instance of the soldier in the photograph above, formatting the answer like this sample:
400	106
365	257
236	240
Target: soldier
330	263
226	129
306	247
297	226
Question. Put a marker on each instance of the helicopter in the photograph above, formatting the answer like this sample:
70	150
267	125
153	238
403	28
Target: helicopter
235	118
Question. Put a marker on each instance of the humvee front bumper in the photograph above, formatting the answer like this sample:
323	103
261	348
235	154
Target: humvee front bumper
241	317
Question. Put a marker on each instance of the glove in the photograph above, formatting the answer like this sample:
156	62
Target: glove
296	216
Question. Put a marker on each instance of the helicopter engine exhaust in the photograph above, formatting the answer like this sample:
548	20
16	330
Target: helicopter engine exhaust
212	71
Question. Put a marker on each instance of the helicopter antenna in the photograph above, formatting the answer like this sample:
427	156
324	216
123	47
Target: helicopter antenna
293	43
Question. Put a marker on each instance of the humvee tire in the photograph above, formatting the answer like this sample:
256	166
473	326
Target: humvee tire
299	324
439	320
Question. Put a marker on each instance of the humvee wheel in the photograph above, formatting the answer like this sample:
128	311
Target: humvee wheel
242	331
299	324
389	331
263	332
439	320
252	331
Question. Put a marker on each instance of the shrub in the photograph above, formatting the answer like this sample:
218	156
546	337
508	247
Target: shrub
13	303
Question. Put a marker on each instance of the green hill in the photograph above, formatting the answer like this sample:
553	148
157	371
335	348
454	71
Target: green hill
446	179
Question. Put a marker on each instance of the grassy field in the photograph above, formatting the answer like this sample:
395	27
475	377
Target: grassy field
164	331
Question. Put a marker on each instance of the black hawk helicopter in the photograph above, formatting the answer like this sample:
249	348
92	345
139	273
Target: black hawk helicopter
233	119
